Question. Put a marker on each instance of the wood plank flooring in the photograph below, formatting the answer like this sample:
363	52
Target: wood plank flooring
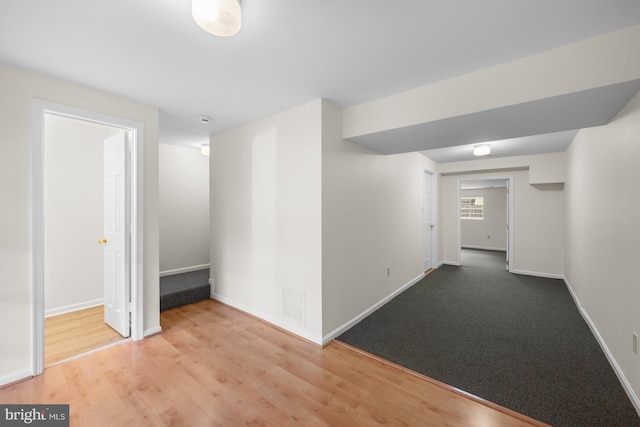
70	334
215	366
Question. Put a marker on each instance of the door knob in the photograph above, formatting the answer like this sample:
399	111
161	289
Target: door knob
102	241
431	226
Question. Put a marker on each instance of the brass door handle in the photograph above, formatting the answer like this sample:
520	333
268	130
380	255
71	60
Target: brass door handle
102	241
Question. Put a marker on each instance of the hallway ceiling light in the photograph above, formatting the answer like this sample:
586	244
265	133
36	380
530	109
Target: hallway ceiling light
218	17
481	150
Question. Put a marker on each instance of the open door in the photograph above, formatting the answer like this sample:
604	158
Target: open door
116	235
125	305
508	220
427	222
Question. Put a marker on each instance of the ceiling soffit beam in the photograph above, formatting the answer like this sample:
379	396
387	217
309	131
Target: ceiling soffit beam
594	107
597	62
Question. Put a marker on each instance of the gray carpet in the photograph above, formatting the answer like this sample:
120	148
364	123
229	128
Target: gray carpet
515	340
184	288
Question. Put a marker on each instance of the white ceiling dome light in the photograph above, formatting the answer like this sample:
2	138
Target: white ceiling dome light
482	150
218	17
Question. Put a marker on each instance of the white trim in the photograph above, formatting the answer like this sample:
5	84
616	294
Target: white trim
137	233
153	331
603	345
458	224
73	307
484	248
136	129
37	225
434	215
348	325
453	263
269	319
183	270
538	274
509	231
15	377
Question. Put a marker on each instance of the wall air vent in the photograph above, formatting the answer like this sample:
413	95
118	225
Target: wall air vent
293	305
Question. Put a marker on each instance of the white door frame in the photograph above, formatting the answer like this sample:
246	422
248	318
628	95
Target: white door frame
509	226
434	231
38	109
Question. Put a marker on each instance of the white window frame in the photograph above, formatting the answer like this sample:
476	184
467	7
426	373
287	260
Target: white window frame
469	205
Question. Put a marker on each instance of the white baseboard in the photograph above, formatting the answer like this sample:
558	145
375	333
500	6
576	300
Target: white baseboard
453	263
524	272
484	248
603	345
183	270
15	377
73	307
270	319
152	331
538	274
348	325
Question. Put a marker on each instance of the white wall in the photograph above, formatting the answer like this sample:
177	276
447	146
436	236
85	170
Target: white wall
538	219
266	218
184	209
73	207
491	231
371	220
294	206
602	233
19	88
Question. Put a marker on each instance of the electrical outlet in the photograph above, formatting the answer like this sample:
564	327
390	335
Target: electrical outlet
388	271
488	236
635	342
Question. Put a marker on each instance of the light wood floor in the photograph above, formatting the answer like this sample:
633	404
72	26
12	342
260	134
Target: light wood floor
215	366
70	334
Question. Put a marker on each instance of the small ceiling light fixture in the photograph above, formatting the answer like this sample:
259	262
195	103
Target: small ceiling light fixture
205	149
218	17
481	150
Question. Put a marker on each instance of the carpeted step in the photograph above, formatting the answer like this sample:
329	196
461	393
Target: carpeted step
184	288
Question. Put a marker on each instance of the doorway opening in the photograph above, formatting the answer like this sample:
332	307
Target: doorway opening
428	221
69	195
484	217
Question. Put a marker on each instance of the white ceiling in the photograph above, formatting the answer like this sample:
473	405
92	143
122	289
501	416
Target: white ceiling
288	52
539	144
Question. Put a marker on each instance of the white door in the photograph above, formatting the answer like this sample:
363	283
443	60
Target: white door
115	240
508	225
427	221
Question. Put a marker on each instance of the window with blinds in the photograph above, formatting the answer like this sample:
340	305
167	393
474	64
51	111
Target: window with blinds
472	208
